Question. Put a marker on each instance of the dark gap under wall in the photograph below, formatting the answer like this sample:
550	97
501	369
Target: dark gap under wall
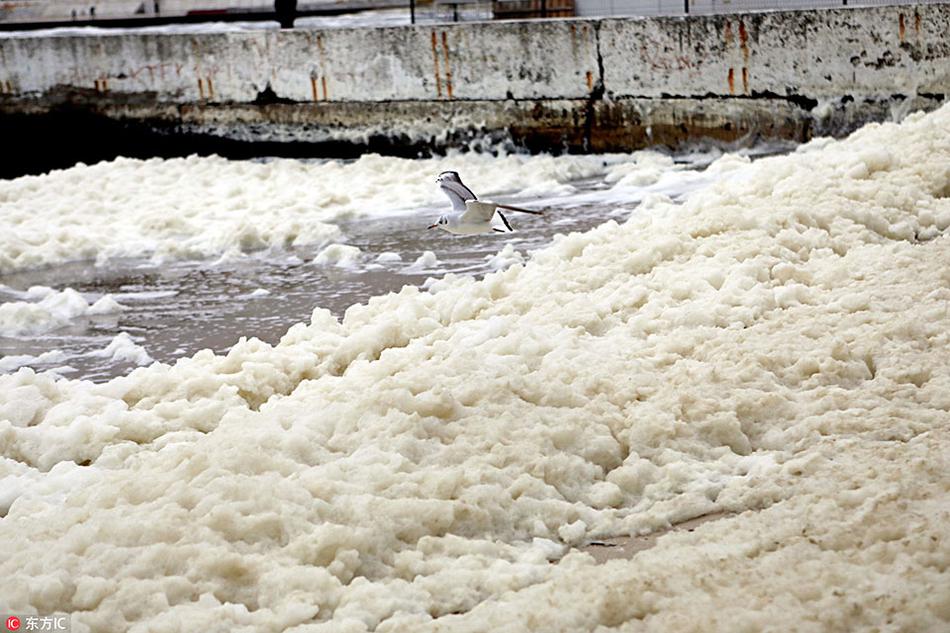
38	143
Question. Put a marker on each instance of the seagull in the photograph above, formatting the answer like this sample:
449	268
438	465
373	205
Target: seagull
470	215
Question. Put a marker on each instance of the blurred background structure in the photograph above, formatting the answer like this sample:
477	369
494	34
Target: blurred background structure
46	13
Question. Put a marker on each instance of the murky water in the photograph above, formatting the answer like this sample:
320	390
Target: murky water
176	309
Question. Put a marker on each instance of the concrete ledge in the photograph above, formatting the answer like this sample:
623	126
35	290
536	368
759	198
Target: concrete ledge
576	85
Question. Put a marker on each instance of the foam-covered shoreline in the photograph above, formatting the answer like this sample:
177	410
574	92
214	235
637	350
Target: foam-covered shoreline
775	347
208	207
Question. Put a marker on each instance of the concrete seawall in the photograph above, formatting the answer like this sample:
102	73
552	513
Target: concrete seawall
577	84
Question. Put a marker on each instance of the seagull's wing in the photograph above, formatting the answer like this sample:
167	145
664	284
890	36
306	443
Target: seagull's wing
511	208
477	212
458	193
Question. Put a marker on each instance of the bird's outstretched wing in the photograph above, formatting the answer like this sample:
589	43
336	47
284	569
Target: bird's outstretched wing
511	208
458	193
477	211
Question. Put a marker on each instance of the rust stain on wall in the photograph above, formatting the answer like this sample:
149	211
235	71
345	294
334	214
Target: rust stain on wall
732	81
201	89
313	87
590	81
727	34
744	41
210	88
745	80
323	82
435	59
448	68
901	29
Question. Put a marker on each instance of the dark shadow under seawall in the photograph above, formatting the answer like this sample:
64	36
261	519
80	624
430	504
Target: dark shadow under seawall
555	85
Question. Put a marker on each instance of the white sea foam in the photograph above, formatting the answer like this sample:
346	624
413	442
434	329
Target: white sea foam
123	349
388	257
504	258
15	361
50	309
775	348
427	262
214	208
342	255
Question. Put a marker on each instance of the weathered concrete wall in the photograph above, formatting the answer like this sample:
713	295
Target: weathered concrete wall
487	60
580	84
820	54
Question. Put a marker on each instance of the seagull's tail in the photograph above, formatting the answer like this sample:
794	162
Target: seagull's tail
519	209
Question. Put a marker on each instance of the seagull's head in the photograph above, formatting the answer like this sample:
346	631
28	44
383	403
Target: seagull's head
448	176
442	221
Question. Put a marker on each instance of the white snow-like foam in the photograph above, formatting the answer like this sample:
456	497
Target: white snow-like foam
53	309
342	255
504	258
774	349
212	208
123	349
428	261
15	361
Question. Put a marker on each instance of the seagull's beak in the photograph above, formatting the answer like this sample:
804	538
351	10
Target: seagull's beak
432	226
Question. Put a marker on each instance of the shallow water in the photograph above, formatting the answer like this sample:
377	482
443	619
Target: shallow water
176	309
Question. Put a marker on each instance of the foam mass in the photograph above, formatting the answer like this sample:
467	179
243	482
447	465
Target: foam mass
209	207
774	349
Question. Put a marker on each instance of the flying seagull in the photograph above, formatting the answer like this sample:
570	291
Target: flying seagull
469	214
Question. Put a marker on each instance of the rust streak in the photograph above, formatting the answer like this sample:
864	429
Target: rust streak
745	80
435	58
448	69
590	81
916	22
727	33
326	95
900	27
201	89
313	87
210	89
744	40
732	82
105	85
